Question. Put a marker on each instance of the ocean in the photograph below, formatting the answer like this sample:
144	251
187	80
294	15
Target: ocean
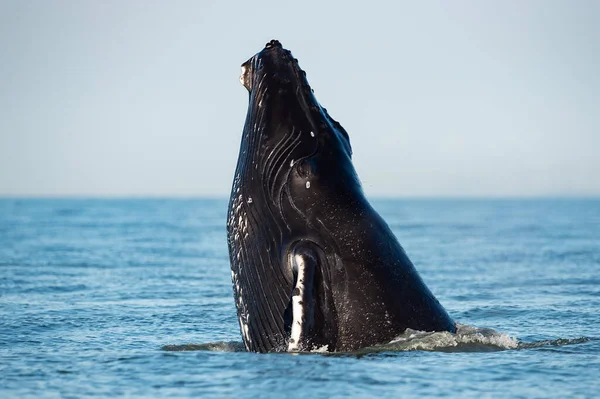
133	298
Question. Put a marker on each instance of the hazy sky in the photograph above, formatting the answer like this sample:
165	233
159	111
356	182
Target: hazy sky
440	98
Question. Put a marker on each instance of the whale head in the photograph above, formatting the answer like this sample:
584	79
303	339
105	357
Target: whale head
285	123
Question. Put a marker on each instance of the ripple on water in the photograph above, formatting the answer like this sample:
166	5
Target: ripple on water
90	290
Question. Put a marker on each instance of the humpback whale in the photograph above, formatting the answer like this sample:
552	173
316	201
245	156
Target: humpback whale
313	265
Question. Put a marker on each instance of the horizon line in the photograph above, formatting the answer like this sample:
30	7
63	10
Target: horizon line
226	197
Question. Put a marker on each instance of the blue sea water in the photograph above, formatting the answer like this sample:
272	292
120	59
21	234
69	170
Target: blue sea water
133	298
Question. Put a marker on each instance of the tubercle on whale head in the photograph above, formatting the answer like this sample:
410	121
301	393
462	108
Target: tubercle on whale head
273	62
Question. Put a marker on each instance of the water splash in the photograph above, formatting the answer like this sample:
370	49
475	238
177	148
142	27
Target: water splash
466	339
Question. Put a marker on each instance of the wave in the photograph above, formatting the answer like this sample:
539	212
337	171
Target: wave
466	339
219	346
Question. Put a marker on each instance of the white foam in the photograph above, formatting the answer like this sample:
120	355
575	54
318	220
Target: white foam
467	338
322	349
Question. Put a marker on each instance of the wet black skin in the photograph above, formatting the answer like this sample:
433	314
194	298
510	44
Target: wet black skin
297	200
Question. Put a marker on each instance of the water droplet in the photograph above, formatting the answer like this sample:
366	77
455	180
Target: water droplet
292	163
249	200
312	134
307	184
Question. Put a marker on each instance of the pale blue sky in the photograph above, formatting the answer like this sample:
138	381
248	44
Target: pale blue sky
440	98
